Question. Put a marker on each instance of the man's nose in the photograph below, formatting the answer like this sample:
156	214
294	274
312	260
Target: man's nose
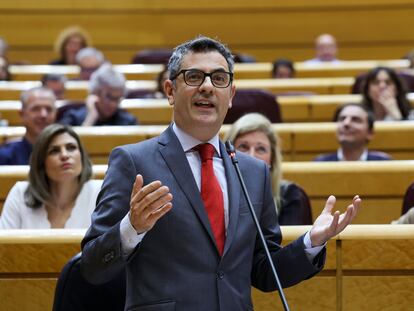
207	84
44	112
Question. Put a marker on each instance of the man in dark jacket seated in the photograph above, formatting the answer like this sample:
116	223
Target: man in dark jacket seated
355	129
38	111
106	90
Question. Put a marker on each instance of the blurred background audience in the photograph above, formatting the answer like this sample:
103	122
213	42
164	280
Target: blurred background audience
68	43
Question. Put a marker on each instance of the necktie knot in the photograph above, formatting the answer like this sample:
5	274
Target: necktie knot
206	151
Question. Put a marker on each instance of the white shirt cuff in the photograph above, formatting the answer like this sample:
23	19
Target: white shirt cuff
311	252
129	237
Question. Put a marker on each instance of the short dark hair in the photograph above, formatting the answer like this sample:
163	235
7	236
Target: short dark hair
53	77
38	191
282	62
370	114
200	44
403	104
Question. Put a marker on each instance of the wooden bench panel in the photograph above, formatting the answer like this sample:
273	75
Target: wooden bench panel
295	109
27	294
383	281
286	29
301	296
241	70
378	292
300	141
381	185
77	90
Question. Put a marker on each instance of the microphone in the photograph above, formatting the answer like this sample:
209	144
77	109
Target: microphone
232	153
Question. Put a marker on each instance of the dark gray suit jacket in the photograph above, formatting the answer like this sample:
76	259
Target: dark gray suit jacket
177	266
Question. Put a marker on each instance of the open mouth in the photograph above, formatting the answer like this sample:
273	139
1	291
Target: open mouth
204	104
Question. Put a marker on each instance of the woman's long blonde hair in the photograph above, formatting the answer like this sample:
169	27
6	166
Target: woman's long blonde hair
253	122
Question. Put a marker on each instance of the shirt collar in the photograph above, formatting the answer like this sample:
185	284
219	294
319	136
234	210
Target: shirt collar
188	142
363	157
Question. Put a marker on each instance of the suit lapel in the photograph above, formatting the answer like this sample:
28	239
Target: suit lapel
173	154
233	188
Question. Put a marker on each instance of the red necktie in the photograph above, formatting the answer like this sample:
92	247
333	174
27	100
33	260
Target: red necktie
212	195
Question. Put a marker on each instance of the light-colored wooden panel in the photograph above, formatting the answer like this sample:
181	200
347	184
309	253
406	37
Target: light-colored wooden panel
385	177
386	293
374	210
318	293
378	255
20	294
48	258
266	29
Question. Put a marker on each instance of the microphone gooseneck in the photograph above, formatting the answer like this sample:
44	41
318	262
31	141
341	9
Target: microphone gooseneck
232	153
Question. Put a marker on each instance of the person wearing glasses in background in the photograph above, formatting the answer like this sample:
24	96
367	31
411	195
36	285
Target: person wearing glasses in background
106	90
89	60
172	214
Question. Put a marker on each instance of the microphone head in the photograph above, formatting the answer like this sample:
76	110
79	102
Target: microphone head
230	148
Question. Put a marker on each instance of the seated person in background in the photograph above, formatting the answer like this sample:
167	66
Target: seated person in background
89	60
59	193
355	129
385	95
253	134
283	69
4	69
106	90
407	218
325	50
56	83
38	111
159	91
68	44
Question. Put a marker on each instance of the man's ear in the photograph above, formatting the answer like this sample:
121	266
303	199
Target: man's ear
169	91
232	93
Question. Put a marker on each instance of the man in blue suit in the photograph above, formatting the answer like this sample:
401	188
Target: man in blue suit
355	129
151	219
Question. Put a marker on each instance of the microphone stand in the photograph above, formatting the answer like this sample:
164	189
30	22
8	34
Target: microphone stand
232	153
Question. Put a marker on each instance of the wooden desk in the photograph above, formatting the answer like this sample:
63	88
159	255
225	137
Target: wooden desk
366	267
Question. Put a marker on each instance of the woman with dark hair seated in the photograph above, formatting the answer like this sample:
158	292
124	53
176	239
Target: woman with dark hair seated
59	193
385	95
253	134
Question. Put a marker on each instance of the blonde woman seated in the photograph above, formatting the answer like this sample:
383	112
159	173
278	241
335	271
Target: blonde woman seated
59	193
252	134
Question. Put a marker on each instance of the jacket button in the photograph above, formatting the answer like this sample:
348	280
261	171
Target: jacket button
220	275
108	257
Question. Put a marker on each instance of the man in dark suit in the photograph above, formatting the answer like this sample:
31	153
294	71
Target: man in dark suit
37	112
151	219
355	129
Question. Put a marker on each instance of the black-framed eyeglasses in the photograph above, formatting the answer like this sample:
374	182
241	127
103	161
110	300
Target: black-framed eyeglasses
196	77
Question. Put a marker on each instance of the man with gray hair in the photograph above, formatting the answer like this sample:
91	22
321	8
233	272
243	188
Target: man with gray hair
89	60
38	111
171	214
106	90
